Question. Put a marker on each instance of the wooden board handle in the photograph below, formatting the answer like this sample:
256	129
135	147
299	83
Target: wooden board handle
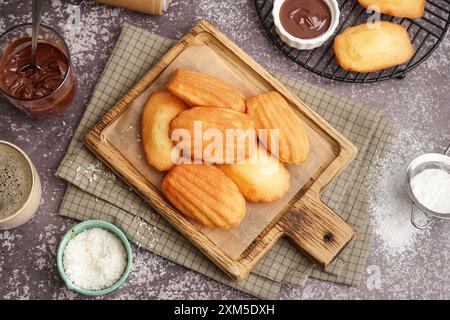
316	229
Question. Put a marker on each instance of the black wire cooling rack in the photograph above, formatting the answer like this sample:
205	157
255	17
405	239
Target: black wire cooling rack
425	33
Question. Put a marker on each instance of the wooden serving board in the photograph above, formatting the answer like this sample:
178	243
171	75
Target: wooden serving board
300	215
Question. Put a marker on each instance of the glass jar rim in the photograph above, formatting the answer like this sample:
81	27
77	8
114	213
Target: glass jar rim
69	61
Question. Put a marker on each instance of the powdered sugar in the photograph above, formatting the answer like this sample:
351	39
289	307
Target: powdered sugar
432	189
389	203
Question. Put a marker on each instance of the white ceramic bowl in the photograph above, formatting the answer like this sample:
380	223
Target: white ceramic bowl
29	208
306	44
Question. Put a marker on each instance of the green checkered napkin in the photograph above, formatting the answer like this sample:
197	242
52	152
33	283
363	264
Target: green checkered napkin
94	192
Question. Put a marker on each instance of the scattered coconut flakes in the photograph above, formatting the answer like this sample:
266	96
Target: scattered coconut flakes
147	234
93	171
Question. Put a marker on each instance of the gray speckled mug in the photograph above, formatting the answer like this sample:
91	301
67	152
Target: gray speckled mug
20	187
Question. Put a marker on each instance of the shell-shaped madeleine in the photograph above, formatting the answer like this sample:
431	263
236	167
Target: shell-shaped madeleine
271	111
215	135
204	194
262	178
200	89
412	9
160	109
373	46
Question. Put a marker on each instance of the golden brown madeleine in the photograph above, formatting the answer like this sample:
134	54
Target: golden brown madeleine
262	178
398	8
205	194
199	89
217	135
372	47
161	108
271	111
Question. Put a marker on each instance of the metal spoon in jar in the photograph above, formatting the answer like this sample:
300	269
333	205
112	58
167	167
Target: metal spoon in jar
37	8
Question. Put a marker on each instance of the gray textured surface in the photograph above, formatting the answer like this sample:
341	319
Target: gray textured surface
404	263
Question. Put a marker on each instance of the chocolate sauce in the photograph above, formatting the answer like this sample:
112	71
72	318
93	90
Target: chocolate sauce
305	19
21	80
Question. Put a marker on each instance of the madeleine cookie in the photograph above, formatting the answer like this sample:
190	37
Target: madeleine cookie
271	111
204	194
262	178
398	8
199	89
161	108
372	47
215	135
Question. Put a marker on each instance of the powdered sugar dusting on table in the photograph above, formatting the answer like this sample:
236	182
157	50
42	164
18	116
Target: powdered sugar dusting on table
389	204
82	31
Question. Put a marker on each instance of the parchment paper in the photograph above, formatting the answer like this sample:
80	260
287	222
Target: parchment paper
124	134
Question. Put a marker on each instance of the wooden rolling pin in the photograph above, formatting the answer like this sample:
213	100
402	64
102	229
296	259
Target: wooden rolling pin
146	6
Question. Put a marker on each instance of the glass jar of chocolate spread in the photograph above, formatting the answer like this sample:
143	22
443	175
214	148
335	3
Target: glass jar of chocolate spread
42	90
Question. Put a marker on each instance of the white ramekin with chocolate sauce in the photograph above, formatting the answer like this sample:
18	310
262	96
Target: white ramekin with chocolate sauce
305	24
